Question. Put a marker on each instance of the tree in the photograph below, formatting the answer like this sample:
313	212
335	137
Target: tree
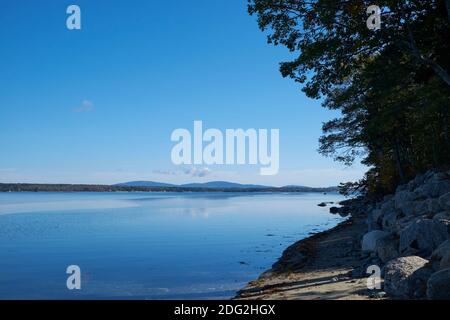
392	86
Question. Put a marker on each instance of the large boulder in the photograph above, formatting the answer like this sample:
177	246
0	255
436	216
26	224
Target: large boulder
402	276
438	286
334	210
445	261
389	220
444	201
387	205
445	222
440	251
369	241
433	188
421	207
420	179
403	223
433	205
443	215
403	201
422	237
373	219
441	256
387	248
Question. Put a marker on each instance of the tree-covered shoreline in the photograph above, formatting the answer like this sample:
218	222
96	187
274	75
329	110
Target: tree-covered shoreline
35	187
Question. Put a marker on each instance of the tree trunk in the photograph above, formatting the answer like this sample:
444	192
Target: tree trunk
426	61
398	162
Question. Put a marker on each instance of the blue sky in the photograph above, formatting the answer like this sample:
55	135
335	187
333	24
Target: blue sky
98	105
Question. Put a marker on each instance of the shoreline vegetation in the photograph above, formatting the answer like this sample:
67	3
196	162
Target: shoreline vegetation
32	187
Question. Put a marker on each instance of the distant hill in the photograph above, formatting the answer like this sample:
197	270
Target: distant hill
144	184
205	185
294	186
223	185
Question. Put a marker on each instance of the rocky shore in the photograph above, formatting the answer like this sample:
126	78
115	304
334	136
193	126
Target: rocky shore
406	236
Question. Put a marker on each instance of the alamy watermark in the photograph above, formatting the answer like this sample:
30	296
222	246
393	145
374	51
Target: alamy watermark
234	147
73	21
374	20
74	280
374	280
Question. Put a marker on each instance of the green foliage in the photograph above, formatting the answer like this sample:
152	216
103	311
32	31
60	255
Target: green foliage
391	86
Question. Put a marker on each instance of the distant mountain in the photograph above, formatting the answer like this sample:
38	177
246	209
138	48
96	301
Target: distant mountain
223	185
145	184
205	185
294	186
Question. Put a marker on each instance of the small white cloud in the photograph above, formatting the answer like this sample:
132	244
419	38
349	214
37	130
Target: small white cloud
85	106
191	172
166	172
197	172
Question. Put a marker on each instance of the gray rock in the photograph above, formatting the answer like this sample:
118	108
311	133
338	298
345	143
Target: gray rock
444	201
421	207
376	215
443	215
433	189
401	276
438	286
334	210
440	258
419	179
403	201
407	208
373	220
439	254
387	205
403	223
389	220
445	262
378	294
403	187
433	205
369	241
441	251
387	248
371	225
423	236
445	222
418	282
429	174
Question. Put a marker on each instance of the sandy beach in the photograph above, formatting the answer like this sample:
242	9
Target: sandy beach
318	267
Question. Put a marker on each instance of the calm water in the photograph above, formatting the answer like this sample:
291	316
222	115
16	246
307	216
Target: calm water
148	246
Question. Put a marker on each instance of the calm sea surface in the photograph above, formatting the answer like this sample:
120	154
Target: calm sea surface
148	245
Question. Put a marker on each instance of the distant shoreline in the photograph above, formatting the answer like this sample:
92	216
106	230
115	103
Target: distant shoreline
36	187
